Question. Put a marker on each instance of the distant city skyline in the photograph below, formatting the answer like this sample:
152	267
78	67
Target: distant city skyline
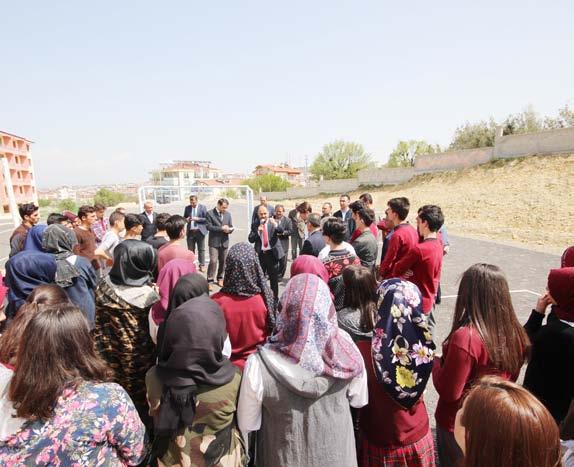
107	91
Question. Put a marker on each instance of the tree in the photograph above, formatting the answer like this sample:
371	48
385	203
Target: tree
565	119
474	135
68	205
108	197
405	153
526	121
340	159
267	182
44	203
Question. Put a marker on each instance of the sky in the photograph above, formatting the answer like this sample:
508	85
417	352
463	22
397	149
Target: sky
108	90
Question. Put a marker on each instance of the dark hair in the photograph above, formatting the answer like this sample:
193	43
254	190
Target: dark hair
132	220
121	210
174	226
41	296
327	202
361	294
358	207
56	218
115	217
400	206
27	209
85	210
432	215
304	207
99	207
223	201
192	196
161	219
525	434
371	213
366	198
335	229
484	303
56	352
345	195
277	206
314	220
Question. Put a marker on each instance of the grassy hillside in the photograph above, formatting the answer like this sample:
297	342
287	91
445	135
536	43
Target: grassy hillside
526	201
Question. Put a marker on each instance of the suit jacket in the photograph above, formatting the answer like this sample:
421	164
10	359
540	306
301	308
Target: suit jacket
314	244
349	221
217	237
274	242
284	231
149	228
201	212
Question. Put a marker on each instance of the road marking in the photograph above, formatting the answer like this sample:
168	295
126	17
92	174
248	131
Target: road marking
512	291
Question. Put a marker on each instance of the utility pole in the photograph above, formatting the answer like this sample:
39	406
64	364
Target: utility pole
306	170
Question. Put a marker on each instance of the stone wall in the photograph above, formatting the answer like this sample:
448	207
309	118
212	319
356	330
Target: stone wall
544	142
453	160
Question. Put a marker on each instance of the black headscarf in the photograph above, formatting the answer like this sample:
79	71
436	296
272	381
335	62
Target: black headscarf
134	263
190	354
60	241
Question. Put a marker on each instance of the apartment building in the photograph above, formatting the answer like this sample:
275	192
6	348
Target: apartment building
15	153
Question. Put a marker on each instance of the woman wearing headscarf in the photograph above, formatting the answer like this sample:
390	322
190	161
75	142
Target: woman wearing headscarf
247	302
192	391
34	238
553	344
567	260
75	274
168	277
123	301
298	387
394	427
309	264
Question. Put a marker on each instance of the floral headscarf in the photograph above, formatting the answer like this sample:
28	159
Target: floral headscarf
310	264
307	331
402	346
244	276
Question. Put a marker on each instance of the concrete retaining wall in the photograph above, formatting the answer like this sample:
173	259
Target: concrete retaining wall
453	160
544	142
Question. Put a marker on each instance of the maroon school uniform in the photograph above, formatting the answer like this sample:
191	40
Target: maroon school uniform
403	239
425	261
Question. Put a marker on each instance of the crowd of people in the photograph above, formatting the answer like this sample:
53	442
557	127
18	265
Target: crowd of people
119	346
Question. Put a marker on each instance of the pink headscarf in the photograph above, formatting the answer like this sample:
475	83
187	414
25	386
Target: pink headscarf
168	277
308	334
567	260
311	265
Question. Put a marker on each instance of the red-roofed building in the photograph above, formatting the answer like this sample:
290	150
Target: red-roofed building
291	174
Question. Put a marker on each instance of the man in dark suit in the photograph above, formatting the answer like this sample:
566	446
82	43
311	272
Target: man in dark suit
346	214
262	202
268	247
314	242
196	215
148	221
284	226
219	224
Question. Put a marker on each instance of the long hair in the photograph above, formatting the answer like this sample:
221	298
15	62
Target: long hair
56	352
506	425
41	296
484	303
361	294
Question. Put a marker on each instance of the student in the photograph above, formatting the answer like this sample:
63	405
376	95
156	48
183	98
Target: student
74	416
422	264
297	387
403	237
367	200
485	339
365	244
134	226
30	215
175	228
160	238
34	238
394	426
109	242
101	226
501	424
553	344
86	245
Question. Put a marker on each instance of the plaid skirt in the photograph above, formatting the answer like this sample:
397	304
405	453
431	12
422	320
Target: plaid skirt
419	454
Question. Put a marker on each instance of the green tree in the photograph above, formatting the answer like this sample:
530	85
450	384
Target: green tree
405	153
340	159
68	205
44	203
526	121
565	119
267	182
474	135
108	197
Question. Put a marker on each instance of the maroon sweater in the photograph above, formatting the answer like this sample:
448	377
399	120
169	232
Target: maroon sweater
383	422
403	239
425	261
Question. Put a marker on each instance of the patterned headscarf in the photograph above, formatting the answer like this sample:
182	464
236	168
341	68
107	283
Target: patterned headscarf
60	241
244	276
402	345
307	331
310	264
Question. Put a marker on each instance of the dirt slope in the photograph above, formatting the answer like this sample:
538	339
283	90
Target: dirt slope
527	201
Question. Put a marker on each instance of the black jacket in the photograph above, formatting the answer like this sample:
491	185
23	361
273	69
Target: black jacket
349	221
149	228
314	244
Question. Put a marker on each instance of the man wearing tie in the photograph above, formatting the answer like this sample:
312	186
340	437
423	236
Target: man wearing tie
268	247
148	217
219	224
196	214
346	214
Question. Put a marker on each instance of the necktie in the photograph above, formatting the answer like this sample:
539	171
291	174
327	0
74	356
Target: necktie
265	236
